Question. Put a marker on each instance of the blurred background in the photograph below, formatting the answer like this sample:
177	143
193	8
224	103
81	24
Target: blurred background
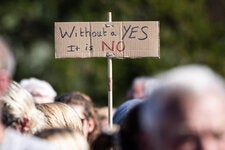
191	31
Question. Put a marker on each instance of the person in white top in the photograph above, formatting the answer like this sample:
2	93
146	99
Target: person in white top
10	139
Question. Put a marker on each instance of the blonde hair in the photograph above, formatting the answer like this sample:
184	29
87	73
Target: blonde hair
81	99
59	115
65	139
17	104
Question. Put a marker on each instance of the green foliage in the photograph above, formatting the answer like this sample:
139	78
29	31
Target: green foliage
191	31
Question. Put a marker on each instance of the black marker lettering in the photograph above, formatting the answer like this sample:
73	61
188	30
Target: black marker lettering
104	32
65	33
87	32
133	31
146	35
126	30
81	32
70	48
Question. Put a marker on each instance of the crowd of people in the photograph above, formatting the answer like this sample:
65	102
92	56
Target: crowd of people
179	109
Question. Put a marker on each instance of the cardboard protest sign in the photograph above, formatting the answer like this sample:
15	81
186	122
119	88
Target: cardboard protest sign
102	39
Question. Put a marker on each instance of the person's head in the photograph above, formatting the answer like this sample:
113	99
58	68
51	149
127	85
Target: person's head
186	112
137	89
64	138
102	113
41	90
59	115
19	111
7	66
107	139
150	85
103	116
130	130
83	105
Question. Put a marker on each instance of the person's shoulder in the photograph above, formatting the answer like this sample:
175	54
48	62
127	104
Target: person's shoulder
16	141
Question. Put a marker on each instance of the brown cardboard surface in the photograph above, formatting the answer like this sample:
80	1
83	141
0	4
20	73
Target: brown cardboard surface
130	39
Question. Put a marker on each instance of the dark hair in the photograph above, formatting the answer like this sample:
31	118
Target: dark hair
130	129
123	110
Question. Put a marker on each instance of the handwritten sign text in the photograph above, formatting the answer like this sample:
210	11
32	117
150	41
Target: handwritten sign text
102	39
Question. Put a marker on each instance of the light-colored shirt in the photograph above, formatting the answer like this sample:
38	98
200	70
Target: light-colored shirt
13	140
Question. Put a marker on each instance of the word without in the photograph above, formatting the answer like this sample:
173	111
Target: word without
130	32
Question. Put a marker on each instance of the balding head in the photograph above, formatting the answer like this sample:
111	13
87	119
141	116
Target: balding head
7	66
186	112
7	61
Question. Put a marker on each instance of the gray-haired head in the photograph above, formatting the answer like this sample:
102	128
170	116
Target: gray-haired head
189	96
137	89
194	76
150	85
7	60
41	90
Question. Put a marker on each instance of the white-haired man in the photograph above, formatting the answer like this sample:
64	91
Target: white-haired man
186	112
7	66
